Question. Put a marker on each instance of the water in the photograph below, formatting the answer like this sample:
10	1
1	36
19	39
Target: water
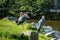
53	23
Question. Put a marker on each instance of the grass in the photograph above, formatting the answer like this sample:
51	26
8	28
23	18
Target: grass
2	38
43	37
9	30
11	27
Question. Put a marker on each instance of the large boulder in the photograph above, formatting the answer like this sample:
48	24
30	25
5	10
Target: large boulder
31	35
34	25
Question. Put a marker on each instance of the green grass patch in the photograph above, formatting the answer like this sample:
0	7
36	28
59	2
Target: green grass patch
43	37
11	31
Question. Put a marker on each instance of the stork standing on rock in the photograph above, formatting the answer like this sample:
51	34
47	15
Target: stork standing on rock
41	22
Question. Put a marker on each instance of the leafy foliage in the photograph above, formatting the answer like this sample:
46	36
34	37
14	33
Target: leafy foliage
32	7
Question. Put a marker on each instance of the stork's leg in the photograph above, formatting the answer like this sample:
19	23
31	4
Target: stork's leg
40	29
22	25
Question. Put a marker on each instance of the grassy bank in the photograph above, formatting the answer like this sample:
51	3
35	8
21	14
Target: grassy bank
9	30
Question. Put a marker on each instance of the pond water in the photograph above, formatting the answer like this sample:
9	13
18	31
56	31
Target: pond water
54	24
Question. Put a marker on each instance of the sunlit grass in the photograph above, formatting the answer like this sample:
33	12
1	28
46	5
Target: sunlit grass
43	37
8	28
2	38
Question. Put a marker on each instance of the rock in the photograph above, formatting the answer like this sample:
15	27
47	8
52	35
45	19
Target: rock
34	25
31	35
56	34
49	33
53	39
27	33
59	39
34	36
47	29
11	18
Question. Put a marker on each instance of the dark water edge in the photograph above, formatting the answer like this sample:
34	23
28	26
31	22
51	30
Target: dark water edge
55	24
